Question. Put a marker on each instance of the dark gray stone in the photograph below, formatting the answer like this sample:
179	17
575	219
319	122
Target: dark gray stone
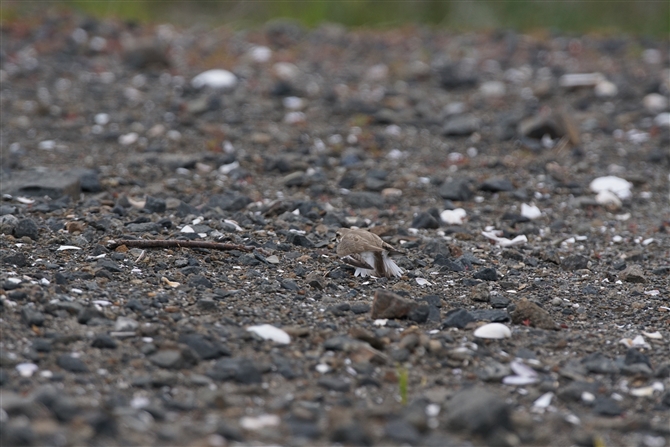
477	411
104	341
458	318
574	262
299	240
600	364
425	220
606	406
457	190
241	370
402	431
486	274
365	199
28	228
42	183
461	126
334	384
72	364
205	348
493	315
497	185
154	205
31	316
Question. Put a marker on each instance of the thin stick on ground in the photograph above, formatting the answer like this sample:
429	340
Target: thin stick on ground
172	243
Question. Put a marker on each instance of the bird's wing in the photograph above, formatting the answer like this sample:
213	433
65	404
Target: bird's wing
356	260
352	243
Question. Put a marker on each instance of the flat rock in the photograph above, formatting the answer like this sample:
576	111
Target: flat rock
531	314
477	411
35	183
390	305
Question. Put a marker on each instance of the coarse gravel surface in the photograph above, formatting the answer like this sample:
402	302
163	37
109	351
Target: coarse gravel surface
474	154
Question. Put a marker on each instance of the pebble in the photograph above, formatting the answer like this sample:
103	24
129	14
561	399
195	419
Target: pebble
634	274
269	332
71	363
216	79
477	411
617	185
456	190
493	331
388	305
174	358
462	125
458	318
527	312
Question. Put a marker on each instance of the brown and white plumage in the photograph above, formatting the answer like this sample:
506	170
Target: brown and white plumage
367	252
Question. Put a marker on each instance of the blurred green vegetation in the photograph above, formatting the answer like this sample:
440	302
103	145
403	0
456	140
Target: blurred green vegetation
650	17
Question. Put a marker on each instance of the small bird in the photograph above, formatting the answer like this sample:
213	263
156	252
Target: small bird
367	252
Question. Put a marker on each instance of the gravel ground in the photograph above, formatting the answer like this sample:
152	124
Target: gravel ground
474	154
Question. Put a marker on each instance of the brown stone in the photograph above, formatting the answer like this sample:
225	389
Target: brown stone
529	313
389	305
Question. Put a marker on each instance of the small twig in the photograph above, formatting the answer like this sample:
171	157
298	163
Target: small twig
169	243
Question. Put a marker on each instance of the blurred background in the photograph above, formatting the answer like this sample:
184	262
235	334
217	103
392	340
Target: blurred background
646	17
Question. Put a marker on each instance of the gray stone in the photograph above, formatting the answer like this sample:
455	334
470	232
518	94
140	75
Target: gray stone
365	199
462	125
574	262
26	227
72	364
458	318
477	411
334	384
174	358
41	183
456	190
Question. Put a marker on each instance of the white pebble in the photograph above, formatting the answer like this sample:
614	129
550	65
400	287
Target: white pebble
128	139
493	89
530	211
269	332
493	331
26	369
606	89
217	78
617	185
453	217
101	118
655	102
258	422
260	54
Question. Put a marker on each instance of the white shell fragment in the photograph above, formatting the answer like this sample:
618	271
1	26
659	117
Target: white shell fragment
608	198
493	331
543	402
617	185
637	342
269	332
453	217
525	375
530	211
573	80
647	391
423	282
503	241
216	78
167	282
26	369
653	335
258	422
128	138
68	247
